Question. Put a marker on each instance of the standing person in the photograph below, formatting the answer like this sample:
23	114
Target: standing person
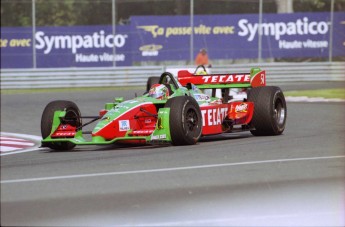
202	58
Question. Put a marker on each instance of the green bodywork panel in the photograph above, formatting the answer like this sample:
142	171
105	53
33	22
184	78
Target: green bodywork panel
161	134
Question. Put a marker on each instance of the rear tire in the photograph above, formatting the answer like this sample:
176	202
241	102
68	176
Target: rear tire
72	111
185	120
270	110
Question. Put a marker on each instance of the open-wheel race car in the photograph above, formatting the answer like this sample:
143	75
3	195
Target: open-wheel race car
177	111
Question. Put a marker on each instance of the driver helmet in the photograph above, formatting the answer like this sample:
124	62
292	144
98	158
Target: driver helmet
201	72
159	91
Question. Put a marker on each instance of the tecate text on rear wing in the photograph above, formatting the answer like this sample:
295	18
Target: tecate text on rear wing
255	78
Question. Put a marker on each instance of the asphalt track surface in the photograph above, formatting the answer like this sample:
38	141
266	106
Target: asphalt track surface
296	179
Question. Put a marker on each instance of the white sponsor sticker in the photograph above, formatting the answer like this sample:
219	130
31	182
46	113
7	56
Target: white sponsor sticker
124	125
154	137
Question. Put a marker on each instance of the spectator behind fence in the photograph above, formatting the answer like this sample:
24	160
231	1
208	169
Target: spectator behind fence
202	58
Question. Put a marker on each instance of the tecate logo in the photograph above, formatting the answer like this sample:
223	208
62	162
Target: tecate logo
213	116
226	78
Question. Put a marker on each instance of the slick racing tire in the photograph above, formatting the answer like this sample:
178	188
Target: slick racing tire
185	120
270	111
151	81
72	112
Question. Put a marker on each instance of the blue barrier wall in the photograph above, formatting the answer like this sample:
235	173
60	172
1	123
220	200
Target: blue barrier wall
165	38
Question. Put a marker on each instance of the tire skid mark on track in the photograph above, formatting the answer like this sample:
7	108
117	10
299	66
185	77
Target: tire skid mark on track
168	169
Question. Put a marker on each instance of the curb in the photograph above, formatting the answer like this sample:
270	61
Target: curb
14	143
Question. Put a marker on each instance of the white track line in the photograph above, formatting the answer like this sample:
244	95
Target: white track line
311	99
230	221
166	169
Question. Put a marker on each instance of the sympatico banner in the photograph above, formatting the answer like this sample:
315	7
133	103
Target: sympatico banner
165	38
77	46
236	36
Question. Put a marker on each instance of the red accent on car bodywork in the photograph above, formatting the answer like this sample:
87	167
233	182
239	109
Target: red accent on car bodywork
102	112
185	77
259	79
212	118
213	115
64	131
146	132
241	113
138	120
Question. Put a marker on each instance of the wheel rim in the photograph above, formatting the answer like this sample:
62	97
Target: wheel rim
191	122
279	112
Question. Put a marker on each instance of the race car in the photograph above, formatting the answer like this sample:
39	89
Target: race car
174	111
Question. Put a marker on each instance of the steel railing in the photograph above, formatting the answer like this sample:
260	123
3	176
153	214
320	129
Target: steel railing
277	73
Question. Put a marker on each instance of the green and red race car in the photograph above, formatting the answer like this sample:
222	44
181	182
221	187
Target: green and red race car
177	111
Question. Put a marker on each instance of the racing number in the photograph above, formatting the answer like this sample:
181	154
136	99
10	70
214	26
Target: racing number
262	78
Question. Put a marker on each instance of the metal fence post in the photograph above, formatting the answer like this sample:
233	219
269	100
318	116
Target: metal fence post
259	33
33	15
192	30
330	46
113	8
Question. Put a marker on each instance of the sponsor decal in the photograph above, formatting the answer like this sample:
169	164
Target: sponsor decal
201	97
124	125
200	29
143	132
15	42
75	42
150	50
226	78
157	137
262	78
278	29
213	116
154	137
241	108
58	134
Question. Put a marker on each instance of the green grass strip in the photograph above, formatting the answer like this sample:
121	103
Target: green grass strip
338	93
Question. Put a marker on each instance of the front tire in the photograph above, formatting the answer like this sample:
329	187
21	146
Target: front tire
270	110
185	120
72	112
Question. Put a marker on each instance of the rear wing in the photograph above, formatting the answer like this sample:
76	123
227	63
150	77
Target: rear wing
255	78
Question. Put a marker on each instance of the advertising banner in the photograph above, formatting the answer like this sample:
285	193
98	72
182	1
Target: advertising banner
16	48
167	38
77	46
236	36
